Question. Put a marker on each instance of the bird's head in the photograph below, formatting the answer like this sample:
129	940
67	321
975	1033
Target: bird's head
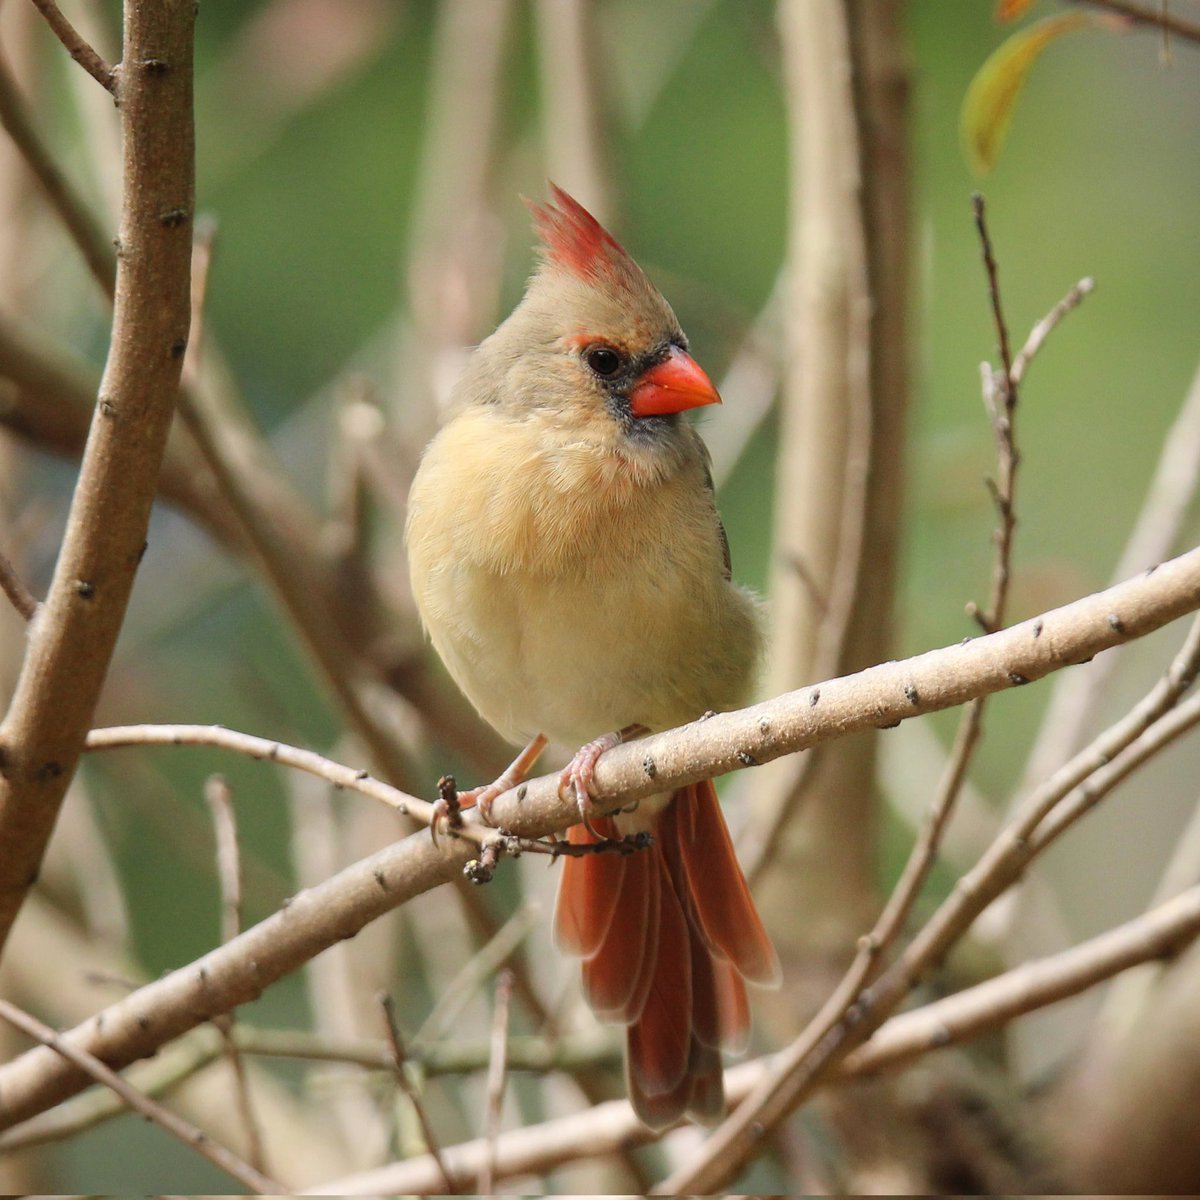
593	337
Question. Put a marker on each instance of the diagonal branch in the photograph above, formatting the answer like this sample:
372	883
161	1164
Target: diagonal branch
187	1133
93	244
1158	18
13	586
71	641
339	907
78	48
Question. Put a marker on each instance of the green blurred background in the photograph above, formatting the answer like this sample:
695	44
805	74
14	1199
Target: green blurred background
312	127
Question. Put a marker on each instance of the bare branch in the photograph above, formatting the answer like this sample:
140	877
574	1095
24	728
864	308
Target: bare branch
13	586
229	870
396	1046
94	246
584	1051
1046	326
924	851
265	750
71	643
1158	18
1003	423
340	906
187	1133
1161	932
204	240
475	972
497	1073
77	47
47	395
229	876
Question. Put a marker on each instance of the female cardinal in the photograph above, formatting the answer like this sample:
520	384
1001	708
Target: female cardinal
570	566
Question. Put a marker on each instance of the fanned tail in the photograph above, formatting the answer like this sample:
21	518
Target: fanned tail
667	936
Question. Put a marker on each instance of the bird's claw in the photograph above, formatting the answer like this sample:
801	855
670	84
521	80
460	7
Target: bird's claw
450	803
577	775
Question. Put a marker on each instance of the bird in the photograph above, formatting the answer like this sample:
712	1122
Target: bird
572	572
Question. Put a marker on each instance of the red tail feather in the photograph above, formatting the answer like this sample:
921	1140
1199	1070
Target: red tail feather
666	935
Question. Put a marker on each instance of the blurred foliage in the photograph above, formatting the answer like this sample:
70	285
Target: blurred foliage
312	119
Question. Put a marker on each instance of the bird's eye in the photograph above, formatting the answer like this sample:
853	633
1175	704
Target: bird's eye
604	360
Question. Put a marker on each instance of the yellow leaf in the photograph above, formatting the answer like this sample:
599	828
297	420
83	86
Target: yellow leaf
988	106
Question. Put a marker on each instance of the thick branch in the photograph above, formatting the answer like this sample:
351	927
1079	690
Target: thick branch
72	638
338	908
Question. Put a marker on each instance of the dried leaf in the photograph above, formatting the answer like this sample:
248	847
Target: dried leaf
988	107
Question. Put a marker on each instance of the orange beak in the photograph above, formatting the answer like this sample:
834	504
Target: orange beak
671	386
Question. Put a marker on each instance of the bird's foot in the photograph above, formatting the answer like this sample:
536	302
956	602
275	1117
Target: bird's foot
577	775
447	808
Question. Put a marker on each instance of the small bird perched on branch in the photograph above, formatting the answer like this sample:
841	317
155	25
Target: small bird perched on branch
570	566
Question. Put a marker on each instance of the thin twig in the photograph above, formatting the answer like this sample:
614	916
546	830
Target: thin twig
77	47
337	908
589	1050
1046	326
451	1056
204	238
93	244
13	586
1158	18
49	398
1003	492
229	870
186	1132
497	1074
1084	798
537	1149
265	750
229	877
396	1046
358	423
473	974
924	852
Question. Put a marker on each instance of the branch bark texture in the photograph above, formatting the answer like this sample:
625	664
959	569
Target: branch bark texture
72	638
